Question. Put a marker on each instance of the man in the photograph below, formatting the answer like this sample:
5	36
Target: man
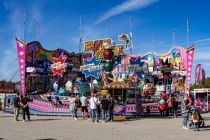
93	107
17	106
105	107
25	106
84	102
111	108
139	110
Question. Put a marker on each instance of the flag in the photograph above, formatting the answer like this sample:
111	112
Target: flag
21	49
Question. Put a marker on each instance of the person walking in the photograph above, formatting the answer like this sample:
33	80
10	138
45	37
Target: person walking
185	113
105	107
17	106
25	107
93	107
84	104
175	107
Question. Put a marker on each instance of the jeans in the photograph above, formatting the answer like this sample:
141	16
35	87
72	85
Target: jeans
195	126
111	114
26	111
75	112
162	113
16	112
185	120
104	114
94	111
170	111
175	113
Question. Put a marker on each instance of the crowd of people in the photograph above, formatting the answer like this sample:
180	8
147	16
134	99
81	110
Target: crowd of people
168	107
21	102
99	106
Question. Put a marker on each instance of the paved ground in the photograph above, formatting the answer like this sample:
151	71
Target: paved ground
62	128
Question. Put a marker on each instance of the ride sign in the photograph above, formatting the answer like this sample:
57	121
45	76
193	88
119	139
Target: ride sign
59	66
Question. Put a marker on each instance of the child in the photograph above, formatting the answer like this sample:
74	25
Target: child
195	119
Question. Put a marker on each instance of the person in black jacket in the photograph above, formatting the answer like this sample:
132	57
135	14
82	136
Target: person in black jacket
105	107
175	107
16	106
25	106
111	108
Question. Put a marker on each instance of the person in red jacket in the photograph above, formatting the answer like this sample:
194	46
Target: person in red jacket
162	107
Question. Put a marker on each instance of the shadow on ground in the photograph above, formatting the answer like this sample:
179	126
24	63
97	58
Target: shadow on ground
45	120
46	139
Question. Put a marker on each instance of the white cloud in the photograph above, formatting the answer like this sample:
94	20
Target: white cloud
128	5
14	25
202	54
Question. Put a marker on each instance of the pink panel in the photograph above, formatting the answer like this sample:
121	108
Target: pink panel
21	49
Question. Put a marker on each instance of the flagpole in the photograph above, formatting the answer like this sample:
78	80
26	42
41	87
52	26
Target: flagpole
174	35
57	39
131	43
106	27
37	31
153	42
24	24
187	32
80	40
131	24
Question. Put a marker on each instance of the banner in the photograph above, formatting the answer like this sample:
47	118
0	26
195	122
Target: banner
190	56
21	49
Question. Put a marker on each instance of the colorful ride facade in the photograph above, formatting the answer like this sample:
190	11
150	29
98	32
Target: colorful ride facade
108	70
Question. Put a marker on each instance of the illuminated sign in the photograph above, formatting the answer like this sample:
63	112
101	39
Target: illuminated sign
98	47
59	66
91	68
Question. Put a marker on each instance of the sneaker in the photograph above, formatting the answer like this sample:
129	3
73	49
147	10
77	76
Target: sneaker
75	119
186	128
23	120
88	119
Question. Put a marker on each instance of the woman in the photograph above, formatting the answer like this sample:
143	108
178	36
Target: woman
162	107
98	107
77	105
175	107
185	113
72	106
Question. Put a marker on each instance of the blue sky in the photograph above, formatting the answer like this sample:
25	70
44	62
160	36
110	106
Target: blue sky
61	17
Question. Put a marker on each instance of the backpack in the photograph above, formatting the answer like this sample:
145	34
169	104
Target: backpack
79	104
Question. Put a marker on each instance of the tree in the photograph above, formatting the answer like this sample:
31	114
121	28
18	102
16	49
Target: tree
204	84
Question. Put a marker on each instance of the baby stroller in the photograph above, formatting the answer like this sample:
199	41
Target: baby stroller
201	122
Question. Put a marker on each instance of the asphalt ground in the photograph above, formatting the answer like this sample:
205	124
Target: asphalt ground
65	128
